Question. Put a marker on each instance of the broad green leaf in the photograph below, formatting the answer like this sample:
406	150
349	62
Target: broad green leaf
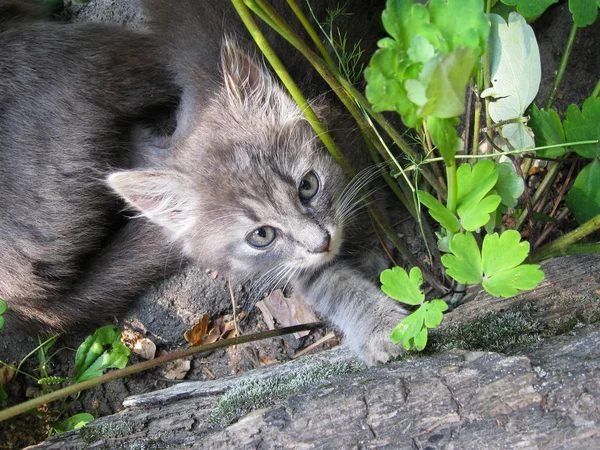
410	327
584	12
420	340
447	84
584	125
100	351
515	75
508	282
73	422
462	23
584	197
444	136
3	395
397	284
434	312
548	130
530	9
510	185
464	263
503	252
501	256
475	199
439	212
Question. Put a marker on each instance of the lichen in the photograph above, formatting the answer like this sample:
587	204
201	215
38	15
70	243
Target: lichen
249	395
93	433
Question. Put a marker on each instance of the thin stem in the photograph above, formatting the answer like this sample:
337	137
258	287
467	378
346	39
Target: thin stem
311	32
290	85
562	66
130	370
560	245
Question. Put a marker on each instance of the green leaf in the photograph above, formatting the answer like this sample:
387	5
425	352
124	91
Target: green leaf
501	256
584	197
410	327
462	23
3	308
464	264
439	212
548	130
3	395
100	351
584	12
508	282
475	199
515	74
420	340
510	185
444	136
433	312
502	252
397	284
530	9
446	86
584	125
73	422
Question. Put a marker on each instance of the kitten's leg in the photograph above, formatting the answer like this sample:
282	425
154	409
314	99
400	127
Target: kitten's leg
358	308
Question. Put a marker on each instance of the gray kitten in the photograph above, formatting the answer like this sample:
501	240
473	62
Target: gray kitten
246	188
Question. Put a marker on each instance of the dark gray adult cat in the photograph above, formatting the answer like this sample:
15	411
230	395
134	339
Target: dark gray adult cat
247	187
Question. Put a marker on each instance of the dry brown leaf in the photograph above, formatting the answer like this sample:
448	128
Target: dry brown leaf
196	335
144	348
209	373
267	361
7	373
176	370
289	311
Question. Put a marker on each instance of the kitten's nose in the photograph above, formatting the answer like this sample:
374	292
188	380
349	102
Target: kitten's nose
325	245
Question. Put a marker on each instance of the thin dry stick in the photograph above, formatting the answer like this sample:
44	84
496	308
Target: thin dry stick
324	339
233	305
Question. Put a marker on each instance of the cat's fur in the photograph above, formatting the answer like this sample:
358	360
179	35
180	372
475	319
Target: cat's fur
72	97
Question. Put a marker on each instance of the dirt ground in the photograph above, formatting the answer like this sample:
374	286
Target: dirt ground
171	307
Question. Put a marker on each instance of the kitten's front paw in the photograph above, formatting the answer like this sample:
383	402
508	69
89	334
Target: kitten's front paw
374	345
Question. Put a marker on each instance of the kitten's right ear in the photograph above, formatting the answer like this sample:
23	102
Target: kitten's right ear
160	196
244	77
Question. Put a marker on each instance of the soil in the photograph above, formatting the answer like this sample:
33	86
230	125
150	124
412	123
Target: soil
175	305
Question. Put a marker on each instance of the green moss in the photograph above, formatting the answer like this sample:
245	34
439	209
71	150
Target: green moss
496	332
247	396
93	433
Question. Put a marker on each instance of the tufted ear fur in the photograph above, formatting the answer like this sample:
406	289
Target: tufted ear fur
245	78
159	196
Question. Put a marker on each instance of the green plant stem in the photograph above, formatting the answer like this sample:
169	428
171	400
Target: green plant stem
346	92
130	370
577	249
596	90
311	32
291	86
560	245
452	186
562	66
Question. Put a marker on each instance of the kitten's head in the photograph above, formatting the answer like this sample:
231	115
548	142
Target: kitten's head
250	189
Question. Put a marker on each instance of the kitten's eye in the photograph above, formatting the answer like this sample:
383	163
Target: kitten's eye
309	186
262	237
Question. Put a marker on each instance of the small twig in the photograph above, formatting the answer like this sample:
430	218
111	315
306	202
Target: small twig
550	227
324	339
233	305
383	246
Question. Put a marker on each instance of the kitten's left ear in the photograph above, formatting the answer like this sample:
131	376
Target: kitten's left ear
160	196
244	77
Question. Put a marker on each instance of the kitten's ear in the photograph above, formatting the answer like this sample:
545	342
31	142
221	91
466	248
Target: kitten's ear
244	77
160	196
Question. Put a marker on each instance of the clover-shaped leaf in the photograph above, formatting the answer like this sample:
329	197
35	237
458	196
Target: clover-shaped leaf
464	263
530	8
100	351
584	197
400	286
584	12
475	199
584	125
412	331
